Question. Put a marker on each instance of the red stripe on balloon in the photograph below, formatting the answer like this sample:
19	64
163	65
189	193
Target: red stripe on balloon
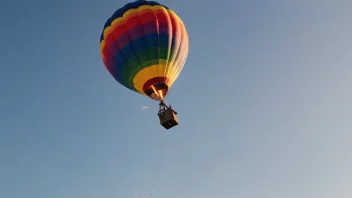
153	81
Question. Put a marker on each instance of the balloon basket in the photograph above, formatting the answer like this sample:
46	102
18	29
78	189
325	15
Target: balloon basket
167	116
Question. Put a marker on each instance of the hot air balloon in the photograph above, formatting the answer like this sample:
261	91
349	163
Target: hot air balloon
144	46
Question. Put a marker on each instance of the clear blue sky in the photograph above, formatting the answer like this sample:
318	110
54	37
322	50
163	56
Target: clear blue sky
264	104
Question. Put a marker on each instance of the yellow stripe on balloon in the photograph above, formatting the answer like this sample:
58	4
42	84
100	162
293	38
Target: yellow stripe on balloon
133	12
148	73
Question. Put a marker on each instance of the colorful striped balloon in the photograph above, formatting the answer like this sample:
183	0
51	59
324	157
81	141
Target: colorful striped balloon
144	46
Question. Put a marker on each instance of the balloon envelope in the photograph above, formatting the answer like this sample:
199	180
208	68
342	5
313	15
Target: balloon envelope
144	46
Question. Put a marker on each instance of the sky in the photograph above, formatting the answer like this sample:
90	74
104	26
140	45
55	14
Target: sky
264	103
